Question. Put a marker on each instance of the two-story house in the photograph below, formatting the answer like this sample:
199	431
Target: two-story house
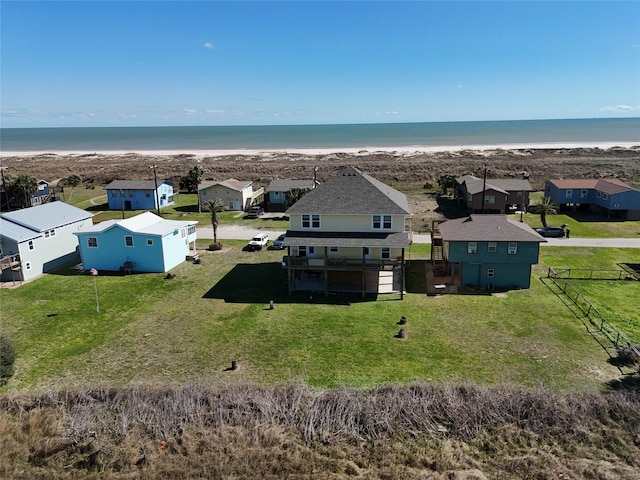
139	194
148	242
236	194
497	195
488	251
40	239
608	197
348	235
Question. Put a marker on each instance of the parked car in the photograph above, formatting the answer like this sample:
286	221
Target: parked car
255	212
258	242
278	243
551	231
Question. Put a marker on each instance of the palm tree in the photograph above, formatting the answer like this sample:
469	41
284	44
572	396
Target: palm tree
214	207
73	180
544	208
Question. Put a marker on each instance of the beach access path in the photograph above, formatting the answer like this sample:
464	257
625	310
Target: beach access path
239	232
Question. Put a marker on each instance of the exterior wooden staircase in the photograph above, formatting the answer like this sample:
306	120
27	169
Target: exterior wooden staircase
438	262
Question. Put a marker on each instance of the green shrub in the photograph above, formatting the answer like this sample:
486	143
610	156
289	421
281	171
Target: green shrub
215	246
7	358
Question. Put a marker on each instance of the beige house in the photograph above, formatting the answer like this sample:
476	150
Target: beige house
348	235
236	194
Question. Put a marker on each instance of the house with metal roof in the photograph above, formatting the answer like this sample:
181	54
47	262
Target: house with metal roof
276	192
485	251
493	195
139	194
348	235
236	194
40	239
609	197
144	243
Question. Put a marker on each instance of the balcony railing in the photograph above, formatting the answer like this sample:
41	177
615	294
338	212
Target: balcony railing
341	262
9	261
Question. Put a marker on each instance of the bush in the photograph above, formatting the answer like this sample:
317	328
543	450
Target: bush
7	358
215	246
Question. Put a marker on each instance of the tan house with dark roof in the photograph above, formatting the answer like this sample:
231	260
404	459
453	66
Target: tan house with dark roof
500	195
236	194
348	235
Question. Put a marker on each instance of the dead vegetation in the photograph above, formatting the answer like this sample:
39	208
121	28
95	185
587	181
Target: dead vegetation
420	431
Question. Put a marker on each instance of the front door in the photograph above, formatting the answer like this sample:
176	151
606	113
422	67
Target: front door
366	253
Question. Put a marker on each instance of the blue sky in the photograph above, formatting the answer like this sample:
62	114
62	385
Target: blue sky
107	63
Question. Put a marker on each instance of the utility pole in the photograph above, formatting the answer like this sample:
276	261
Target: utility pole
525	176
315	176
122	202
484	187
155	181
4	187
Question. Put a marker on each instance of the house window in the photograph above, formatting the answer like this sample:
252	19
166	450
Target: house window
113	193
584	193
568	193
92	242
310	221
605	196
385	253
227	192
192	229
131	193
492	247
31	245
381	222
472	247
490	199
616	205
147	193
128	240
491	273
27	265
513	248
333	249
49	233
518	194
365	251
599	194
276	194
311	250
150	242
302	251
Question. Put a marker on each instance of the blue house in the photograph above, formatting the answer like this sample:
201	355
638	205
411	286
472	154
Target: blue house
148	242
40	239
278	189
608	197
139	194
488	251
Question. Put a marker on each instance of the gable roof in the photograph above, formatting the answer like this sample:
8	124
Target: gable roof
16	232
134	184
487	228
146	223
280	185
606	185
352	192
230	183
503	185
47	216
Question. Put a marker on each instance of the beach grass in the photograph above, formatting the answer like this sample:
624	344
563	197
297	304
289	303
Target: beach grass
151	330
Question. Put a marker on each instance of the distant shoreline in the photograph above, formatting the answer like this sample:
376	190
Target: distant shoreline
410	149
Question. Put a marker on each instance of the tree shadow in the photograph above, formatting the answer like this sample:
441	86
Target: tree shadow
448	207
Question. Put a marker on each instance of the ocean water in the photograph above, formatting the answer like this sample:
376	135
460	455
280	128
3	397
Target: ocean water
431	134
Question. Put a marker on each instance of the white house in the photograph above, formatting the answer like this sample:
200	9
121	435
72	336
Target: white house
236	194
40	239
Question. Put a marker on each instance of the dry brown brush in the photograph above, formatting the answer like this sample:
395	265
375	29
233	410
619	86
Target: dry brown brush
418	431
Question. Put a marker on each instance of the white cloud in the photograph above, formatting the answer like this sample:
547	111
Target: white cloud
393	112
622	108
215	110
190	111
209	45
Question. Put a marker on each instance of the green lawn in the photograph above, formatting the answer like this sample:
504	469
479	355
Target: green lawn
189	329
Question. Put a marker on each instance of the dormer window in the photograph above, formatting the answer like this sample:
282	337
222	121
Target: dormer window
381	222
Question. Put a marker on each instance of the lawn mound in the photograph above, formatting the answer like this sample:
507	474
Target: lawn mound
417	431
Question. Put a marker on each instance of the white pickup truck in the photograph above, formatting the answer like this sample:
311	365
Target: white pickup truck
258	241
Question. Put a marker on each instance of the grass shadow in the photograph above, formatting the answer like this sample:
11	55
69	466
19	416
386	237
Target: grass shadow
585	217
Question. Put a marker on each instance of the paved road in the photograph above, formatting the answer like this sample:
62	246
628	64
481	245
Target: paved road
240	232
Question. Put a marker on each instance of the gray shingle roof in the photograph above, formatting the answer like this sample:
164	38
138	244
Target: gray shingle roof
504	185
280	185
352	192
47	216
347	239
487	228
135	184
